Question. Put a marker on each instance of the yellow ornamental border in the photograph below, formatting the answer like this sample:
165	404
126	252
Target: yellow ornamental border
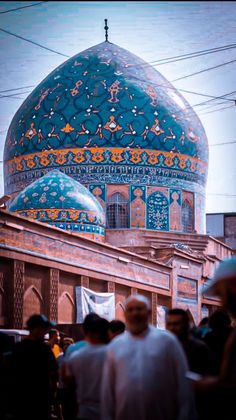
53	214
16	164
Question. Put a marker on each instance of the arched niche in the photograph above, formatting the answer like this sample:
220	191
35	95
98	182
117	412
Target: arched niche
33	303
187	216
66	309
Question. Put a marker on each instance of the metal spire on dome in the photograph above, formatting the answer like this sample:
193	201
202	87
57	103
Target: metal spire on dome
106	30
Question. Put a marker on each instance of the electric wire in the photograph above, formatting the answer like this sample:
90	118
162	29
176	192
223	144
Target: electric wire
19	88
216	110
177	58
33	42
222	144
203	71
14	95
23	7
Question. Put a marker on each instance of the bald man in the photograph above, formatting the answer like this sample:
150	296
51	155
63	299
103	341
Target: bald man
144	372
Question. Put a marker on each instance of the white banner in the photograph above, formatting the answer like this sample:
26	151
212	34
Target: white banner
88	301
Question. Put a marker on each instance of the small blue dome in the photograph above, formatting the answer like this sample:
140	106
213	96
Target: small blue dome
61	201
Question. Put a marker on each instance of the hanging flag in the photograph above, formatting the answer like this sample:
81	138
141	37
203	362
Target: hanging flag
88	301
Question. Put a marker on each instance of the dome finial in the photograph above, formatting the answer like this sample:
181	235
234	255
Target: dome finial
106	30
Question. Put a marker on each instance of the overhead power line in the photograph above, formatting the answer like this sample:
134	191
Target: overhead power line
216	110
222	144
203	94
203	71
22	7
176	58
32	42
222	97
19	88
14	95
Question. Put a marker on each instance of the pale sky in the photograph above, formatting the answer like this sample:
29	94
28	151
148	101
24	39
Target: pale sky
152	30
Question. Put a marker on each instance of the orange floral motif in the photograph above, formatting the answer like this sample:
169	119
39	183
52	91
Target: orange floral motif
168	161
52	213
73	214
79	157
112	125
97	157
61	159
67	128
44	161
19	166
182	164
116	157
135	156
32	214
156	129
153	159
30	163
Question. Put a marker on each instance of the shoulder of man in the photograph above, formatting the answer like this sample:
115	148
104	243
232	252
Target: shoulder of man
163	334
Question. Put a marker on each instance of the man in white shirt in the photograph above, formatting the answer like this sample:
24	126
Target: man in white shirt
144	372
84	369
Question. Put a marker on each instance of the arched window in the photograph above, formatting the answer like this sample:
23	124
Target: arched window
187	216
117	212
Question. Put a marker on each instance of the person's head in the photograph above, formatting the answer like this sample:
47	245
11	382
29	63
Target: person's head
38	325
177	322
66	342
96	330
223	284
137	313
54	336
204	322
116	327
87	321
219	320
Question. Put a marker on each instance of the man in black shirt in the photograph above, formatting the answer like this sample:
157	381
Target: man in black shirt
197	353
34	370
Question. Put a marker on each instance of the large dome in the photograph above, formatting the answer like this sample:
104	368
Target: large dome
115	124
61	201
105	113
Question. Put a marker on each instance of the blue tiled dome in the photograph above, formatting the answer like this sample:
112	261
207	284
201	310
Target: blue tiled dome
105	107
61	201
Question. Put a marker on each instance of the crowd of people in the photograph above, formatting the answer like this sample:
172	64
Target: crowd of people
126	371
